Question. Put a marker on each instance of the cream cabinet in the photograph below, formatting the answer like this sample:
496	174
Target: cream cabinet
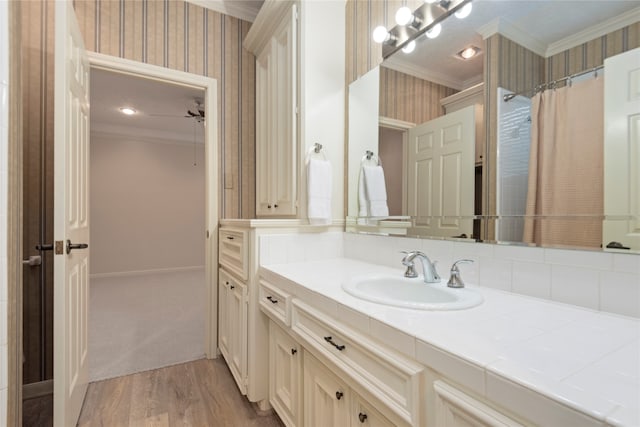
232	327
329	401
276	121
285	375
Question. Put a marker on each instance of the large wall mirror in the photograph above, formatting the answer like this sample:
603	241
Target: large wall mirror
519	123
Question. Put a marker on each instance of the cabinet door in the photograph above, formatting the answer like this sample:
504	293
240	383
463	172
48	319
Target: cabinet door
237	318
326	398
364	414
223	317
284	375
263	133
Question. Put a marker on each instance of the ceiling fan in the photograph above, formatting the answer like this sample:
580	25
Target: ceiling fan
196	113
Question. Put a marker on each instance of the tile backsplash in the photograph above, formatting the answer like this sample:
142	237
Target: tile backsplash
595	280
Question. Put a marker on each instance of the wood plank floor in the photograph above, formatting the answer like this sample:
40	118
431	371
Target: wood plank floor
197	394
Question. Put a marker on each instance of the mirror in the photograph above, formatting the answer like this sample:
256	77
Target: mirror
481	189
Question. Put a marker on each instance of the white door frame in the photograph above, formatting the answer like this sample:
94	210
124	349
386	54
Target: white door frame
210	86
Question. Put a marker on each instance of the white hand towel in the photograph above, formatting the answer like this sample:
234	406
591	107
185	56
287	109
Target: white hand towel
319	187
376	191
363	202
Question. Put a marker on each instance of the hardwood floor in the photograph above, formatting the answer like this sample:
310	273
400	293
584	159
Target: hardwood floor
38	412
198	394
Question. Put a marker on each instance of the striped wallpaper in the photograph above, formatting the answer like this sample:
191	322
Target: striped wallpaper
182	36
408	98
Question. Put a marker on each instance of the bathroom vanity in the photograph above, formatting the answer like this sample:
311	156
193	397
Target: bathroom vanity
513	360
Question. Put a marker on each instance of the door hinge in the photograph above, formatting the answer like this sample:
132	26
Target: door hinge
59	247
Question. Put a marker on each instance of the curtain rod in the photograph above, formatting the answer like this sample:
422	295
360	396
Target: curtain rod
541	87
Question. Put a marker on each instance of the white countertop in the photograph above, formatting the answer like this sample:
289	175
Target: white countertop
515	350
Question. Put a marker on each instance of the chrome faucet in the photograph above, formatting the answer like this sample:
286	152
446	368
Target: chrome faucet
455	280
428	267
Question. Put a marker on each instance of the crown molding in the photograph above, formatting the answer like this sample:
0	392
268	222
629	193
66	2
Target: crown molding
265	24
598	30
422	73
142	134
243	10
513	33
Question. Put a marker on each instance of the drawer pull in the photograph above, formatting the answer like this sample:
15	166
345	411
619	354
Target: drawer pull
339	395
230	237
232	286
272	299
362	417
330	341
293	351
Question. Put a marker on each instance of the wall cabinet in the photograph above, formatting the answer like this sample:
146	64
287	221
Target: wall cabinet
232	326
285	376
276	121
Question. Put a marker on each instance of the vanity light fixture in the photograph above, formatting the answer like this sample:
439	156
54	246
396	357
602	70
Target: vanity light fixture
127	111
464	12
404	16
410	47
430	1
434	31
468	52
381	35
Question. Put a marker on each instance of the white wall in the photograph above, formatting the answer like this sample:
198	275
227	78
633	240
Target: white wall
4	167
147	205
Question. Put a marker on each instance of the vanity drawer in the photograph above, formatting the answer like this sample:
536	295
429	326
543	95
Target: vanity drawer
234	252
275	302
387	375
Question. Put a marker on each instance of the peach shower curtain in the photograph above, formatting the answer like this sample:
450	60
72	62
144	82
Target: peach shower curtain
566	166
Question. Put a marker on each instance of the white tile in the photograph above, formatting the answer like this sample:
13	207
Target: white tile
264	254
626	263
4	108
577	286
519	253
589	259
277	249
3	400
531	279
539	409
503	329
624	416
495	273
620	293
451	366
393	338
297	245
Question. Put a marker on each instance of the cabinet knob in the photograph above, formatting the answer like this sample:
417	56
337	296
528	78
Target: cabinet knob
269	206
275	206
293	351
232	286
339	395
362	417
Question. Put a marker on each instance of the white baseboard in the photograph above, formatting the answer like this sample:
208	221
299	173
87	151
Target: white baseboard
145	272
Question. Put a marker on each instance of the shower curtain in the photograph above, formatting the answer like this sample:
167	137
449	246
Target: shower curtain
566	166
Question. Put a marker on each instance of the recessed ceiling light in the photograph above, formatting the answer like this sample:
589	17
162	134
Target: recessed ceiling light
468	53
128	111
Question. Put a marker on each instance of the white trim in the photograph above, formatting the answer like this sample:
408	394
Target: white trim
423	73
389	123
244	10
473	81
142	134
210	86
146	272
598	30
265	24
468	93
513	33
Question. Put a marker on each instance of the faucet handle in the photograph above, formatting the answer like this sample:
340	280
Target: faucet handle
455	280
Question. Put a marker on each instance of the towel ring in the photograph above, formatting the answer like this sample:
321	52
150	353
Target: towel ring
370	156
315	149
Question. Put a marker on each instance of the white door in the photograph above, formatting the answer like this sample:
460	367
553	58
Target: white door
326	399
284	375
71	218
622	150
440	168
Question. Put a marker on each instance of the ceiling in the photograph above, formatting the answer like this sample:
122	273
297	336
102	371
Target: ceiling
161	107
241	9
539	25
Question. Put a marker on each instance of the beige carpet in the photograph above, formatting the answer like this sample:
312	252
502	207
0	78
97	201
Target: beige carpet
138	323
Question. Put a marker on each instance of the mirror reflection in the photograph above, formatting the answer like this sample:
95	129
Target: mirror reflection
517	143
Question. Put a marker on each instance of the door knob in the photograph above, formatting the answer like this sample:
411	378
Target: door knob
33	260
71	246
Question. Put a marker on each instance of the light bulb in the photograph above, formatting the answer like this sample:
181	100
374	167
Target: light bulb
380	34
128	111
409	47
430	1
464	12
404	16
434	31
469	52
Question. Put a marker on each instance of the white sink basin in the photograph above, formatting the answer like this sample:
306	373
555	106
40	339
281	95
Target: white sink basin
412	293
